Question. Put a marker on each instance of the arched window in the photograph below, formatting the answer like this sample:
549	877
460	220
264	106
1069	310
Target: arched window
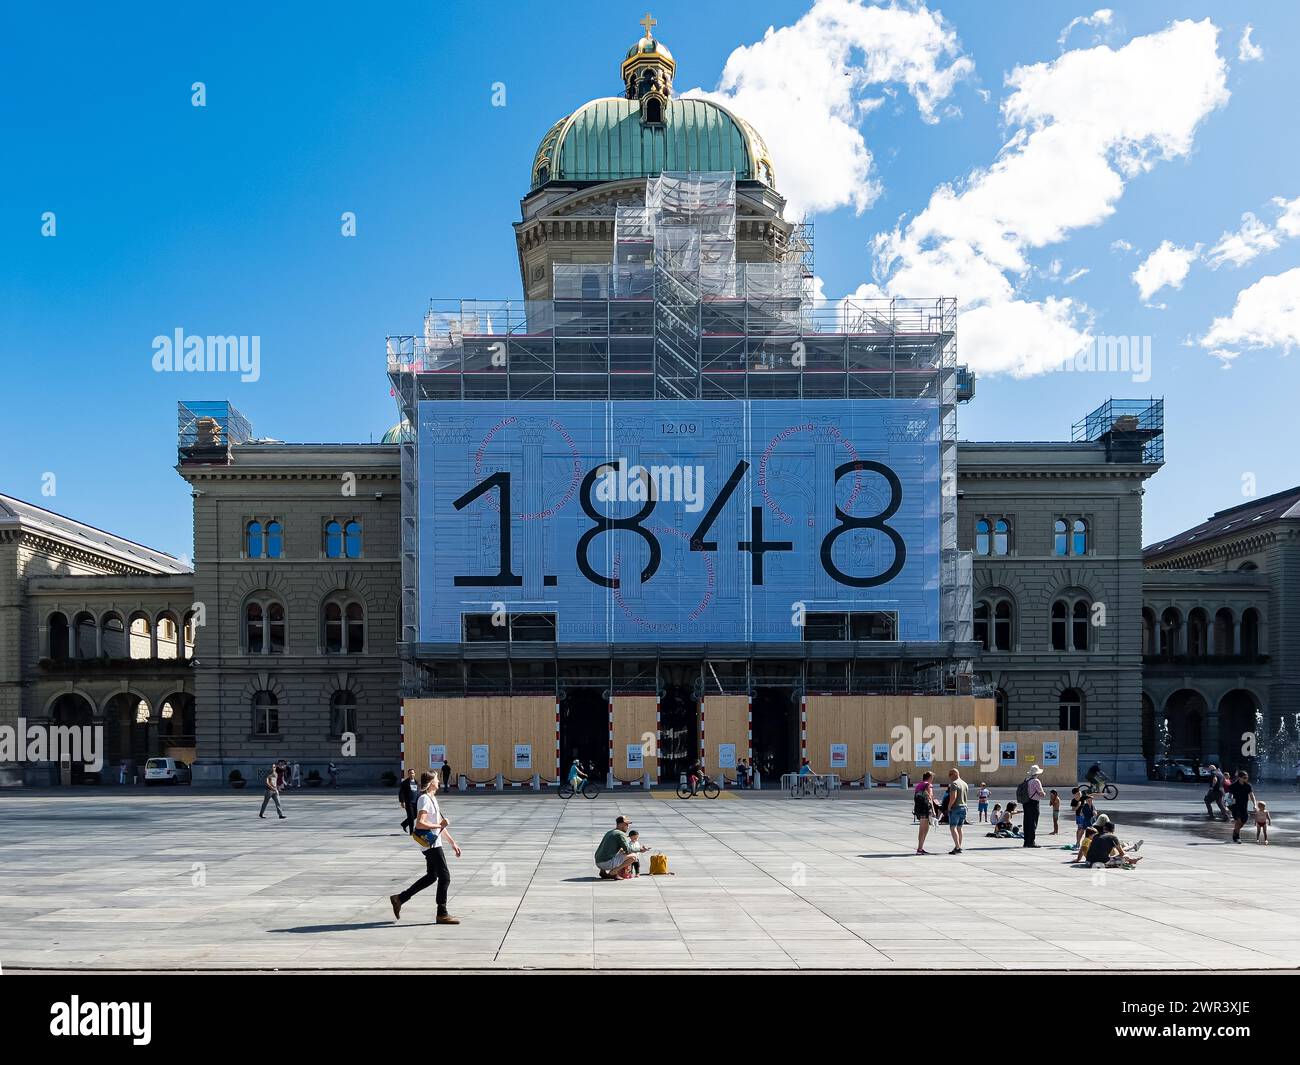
254	542
59	642
1224	632
1060	539
266	714
1198	633
352	539
345	627
113	635
1002	626
87	634
982	531
264	627
1060	625
1250	633
1002	706
1001	536
1080	543
1082	624
274	540
982	619
1148	632
333	539
343	713
1070	710
1171	632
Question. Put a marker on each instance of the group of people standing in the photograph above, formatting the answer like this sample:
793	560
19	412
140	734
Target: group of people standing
1030	794
1243	798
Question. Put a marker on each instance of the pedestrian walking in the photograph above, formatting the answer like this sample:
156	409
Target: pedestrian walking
272	794
923	808
1243	797
408	792
448	781
1262	820
1030	793
957	792
1214	796
430	831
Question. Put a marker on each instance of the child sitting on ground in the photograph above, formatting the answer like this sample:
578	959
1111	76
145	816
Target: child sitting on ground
1003	827
1262	820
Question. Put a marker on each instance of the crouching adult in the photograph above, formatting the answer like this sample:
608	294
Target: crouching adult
616	853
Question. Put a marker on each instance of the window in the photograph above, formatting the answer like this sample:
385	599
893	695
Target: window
1070	710
982	529
59	641
1060	542
345	627
352	539
1071	624
1250	632
866	625
253	544
263	540
1001	536
333	539
529	627
1080	544
1002	709
264	627
993	624
343	713
266	714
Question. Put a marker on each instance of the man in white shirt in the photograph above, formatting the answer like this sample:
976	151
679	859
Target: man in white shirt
1034	789
430	829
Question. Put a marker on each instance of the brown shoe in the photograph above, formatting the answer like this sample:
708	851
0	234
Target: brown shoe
446	918
396	901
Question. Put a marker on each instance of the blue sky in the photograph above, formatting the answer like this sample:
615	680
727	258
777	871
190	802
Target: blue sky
225	219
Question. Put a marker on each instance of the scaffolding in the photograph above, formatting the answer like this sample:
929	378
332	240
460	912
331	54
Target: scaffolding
207	430
1132	429
675	316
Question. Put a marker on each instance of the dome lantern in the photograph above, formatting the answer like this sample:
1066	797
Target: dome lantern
648	75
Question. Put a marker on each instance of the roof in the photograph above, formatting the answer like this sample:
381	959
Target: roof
17	514
1230	522
605	140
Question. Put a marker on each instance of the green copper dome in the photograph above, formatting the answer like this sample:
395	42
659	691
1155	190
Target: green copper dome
607	140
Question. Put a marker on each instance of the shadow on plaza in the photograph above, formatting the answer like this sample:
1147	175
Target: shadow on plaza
359	927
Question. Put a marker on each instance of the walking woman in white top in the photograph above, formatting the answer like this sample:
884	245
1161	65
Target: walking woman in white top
430	830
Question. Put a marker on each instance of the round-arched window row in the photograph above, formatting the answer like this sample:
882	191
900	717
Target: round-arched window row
992	536
264	626
1070	537
1072	624
264	539
994	621
343	538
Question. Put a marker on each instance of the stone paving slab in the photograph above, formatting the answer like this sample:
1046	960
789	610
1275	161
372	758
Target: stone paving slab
193	881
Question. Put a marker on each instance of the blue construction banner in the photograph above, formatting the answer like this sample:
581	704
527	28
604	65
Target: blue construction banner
678	522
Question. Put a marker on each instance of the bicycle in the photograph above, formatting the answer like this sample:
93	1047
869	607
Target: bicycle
1106	791
703	785
589	788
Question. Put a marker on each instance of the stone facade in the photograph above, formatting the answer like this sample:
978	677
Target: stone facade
1033	486
302	488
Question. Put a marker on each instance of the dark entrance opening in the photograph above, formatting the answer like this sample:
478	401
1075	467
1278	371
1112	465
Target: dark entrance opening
72	711
776	732
584	731
679	731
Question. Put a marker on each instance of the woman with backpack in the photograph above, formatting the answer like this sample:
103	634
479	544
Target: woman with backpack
923	808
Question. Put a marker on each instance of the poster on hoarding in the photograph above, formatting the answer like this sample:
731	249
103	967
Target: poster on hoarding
1007	751
880	756
523	756
478	756
839	755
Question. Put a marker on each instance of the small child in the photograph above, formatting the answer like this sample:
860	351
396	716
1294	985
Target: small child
983	795
1084	843
997	815
1262	820
634	838
1054	800
1084	815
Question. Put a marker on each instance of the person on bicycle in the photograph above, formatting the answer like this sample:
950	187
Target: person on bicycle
696	776
1096	777
576	774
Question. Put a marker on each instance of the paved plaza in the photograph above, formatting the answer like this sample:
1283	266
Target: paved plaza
192	880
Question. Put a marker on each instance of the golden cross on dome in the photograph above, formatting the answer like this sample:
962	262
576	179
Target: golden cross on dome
649	24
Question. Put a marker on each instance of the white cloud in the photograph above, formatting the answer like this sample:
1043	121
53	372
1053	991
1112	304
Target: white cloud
1076	139
1247	50
806	87
1121	245
1288	222
1253	238
1166	267
1097	18
1266	315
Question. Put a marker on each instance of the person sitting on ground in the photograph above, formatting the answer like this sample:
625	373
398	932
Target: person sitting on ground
1107	850
1085	842
995	816
614	856
1005	828
634	838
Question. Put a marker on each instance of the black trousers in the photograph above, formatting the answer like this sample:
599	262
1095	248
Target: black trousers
409	823
1031	821
436	872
